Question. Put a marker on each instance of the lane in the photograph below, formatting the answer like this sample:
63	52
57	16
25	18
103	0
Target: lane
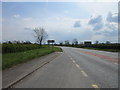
62	72
112	54
75	69
15	73
103	72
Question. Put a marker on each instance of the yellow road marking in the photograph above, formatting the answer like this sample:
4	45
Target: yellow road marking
94	86
77	66
84	73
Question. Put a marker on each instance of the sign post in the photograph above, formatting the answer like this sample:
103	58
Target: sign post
51	41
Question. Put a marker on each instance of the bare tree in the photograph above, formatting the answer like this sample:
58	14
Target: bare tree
40	35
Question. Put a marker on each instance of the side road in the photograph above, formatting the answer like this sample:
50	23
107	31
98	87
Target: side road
15	74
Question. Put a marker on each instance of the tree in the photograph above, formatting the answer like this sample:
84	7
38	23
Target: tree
96	42
81	43
61	43
107	42
40	35
75	41
27	42
67	42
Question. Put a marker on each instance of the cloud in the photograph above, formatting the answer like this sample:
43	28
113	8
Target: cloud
77	24
103	29
60	28
28	28
119	15
59	1
112	17
95	19
16	16
109	29
15	29
20	29
96	22
98	26
66	12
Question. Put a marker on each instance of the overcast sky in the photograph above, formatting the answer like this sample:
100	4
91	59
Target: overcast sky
61	20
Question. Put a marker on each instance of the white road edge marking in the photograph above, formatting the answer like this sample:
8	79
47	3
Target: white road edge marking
84	73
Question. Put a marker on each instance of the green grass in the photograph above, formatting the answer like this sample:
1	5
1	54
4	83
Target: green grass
109	50
11	59
0	56
0	61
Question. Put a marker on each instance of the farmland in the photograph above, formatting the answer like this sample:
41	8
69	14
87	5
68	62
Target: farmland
103	47
14	54
12	48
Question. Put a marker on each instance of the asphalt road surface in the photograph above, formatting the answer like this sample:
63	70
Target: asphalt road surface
76	68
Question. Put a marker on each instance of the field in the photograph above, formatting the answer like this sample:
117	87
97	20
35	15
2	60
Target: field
11	59
103	47
0	56
12	48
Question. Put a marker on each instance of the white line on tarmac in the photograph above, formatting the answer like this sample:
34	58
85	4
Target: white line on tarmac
77	66
73	61
84	73
95	86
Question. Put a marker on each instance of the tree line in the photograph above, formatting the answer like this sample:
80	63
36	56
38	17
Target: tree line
97	45
40	35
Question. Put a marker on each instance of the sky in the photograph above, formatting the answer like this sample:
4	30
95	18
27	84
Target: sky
61	20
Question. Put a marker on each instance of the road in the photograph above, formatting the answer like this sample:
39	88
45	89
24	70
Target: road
76	68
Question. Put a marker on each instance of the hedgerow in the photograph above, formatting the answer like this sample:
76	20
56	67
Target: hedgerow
12	48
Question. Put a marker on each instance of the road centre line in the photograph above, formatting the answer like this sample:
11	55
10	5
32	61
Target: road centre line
77	66
73	61
80	68
95	86
84	73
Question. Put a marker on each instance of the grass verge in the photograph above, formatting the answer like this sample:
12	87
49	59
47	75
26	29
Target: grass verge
0	61
11	59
